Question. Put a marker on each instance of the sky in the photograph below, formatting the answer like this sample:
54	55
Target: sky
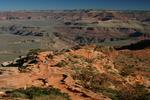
74	4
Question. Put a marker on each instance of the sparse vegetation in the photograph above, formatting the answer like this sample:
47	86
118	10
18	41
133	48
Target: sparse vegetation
104	49
128	63
94	81
140	93
90	78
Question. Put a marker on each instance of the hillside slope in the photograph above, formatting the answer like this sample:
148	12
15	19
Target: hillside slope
87	73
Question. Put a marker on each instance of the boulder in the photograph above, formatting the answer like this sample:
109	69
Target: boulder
23	57
25	64
17	59
5	64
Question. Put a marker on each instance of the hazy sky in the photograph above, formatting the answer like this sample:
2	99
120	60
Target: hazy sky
73	4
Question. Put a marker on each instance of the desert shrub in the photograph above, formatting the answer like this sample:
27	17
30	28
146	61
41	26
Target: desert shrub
127	64
94	81
33	52
18	94
50	56
113	94
89	60
36	92
50	97
104	49
90	78
127	70
61	64
140	93
107	66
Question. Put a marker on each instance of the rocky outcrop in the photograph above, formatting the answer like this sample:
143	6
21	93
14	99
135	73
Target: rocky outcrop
6	64
21	62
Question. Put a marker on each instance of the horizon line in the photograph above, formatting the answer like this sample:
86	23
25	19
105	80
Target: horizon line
70	9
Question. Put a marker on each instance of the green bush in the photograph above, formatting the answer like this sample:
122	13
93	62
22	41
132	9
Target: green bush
35	92
49	97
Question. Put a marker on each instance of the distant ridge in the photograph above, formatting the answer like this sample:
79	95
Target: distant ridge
137	46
